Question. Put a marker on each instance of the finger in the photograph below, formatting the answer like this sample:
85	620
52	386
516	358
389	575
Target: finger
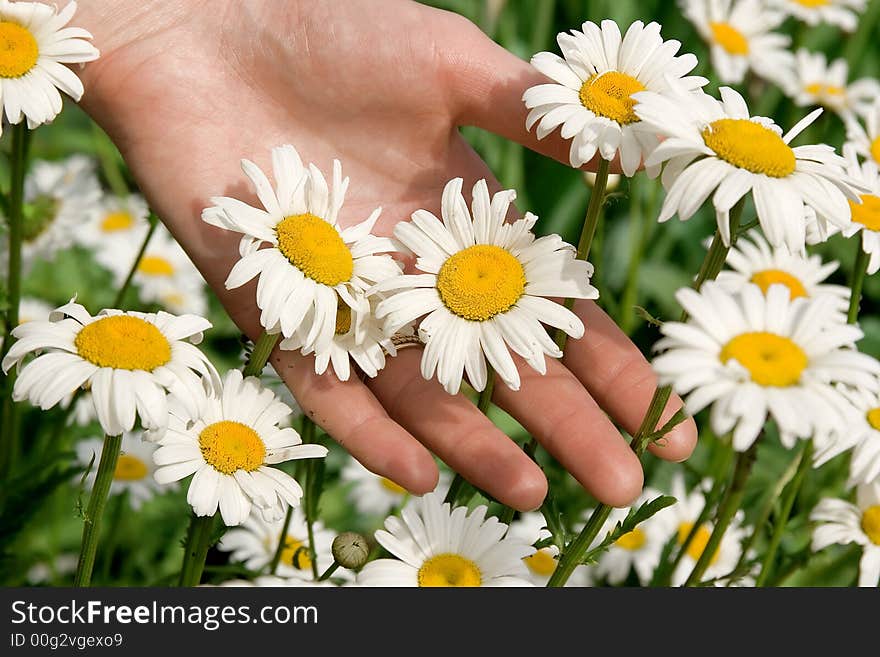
619	378
454	429
558	411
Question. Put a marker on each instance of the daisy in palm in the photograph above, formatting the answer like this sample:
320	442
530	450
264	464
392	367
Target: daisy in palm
36	46
131	362
715	148
843	13
531	528
841	522
741	37
591	97
230	448
818	83
311	261
754	261
752	356
435	545
866	213
115	220
866	139
484	289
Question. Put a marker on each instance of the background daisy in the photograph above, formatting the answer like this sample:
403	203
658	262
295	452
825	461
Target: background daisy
114	221
866	139
843	13
531	528
374	495
818	83
865	213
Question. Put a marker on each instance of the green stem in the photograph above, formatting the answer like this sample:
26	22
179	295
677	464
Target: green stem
120	294
111	539
260	355
282	542
111	162
198	541
726	510
95	510
330	570
786	505
860	268
483	403
311	497
575	550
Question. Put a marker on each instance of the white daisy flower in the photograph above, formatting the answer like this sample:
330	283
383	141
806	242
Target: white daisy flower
484	289
374	495
841	522
638	549
865	215
843	13
866	139
254	543
438	546
818	83
862	436
740	35
752	356
31	309
36	45
754	261
531	528
680	519
714	146
591	97
130	361
113	220
269	378
134	467
312	261
229	447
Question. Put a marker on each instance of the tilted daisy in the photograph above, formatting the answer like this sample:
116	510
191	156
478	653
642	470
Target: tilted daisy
862	436
439	546
531	528
114	217
866	214
740	35
230	447
312	261
753	260
843	13
715	147
483	288
591	97
36	47
752	356
866	139
818	83
841	522
254	543
134	467
130	361
374	495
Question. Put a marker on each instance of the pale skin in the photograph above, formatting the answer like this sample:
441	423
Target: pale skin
186	89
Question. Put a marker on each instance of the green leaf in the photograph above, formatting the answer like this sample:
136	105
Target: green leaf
633	519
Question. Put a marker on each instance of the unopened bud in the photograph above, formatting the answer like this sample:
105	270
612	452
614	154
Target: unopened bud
350	550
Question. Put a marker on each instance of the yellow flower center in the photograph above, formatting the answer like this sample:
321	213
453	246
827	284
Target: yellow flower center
541	562
871	523
300	561
116	221
449	570
315	248
632	541
764	279
867	212
820	89
480	282
698	543
229	446
151	265
173	299
875	150
343	317
811	3
874	418
608	94
729	38
750	146
123	342
18	50
130	468
389	485
772	360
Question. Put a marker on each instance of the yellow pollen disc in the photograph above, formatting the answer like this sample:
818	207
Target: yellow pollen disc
541	563
117	221
315	248
130	468
480	282
772	360
18	50
698	543
301	561
875	150
123	342
155	266
867	212
764	279
343	317
632	541
812	3
449	570
729	38
874	418
820	89
608	94
389	485
871	523
228	446
750	146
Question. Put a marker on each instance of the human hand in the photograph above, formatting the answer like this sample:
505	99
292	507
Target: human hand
187	89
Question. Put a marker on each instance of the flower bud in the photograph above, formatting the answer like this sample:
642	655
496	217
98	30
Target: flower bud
350	550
